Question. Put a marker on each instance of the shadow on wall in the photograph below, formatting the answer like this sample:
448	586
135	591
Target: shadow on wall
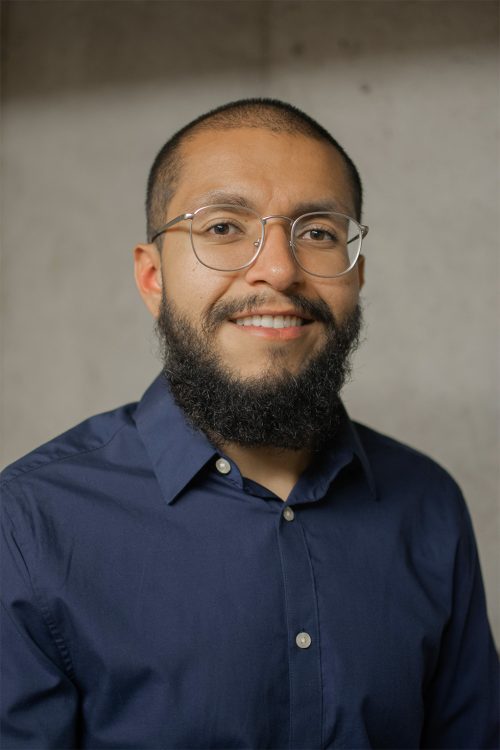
53	46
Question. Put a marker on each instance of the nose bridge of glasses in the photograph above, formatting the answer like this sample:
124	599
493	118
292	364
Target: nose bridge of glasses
265	220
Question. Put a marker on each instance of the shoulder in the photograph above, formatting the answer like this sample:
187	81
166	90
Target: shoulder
63	487
419	503
409	478
385	453
91	436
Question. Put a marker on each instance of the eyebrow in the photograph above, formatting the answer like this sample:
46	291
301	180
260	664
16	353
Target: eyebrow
321	205
233	199
220	196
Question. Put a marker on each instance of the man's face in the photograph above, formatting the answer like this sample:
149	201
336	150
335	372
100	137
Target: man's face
272	173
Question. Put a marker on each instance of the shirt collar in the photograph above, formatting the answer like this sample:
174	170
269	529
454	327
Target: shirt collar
360	453
345	448
178	451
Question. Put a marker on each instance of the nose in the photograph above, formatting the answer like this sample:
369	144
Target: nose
275	264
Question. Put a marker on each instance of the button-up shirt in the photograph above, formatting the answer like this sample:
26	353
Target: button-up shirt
156	598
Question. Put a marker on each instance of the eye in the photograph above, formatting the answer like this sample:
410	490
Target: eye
318	235
220	228
224	224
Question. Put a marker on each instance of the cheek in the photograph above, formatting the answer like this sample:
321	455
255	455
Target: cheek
341	295
191	287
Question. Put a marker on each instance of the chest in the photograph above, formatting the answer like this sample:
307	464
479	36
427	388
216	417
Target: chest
232	623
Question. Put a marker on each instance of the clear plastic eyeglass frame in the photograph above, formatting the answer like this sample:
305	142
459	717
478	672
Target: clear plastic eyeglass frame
363	231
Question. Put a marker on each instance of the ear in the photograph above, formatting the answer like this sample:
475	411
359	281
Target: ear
361	271
147	271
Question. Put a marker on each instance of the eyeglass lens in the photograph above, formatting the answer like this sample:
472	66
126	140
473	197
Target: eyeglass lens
227	238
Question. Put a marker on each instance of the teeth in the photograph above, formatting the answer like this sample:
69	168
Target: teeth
270	321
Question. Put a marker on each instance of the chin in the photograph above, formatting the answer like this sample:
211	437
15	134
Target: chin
266	368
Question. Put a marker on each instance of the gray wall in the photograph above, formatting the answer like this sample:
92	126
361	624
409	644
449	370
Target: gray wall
92	89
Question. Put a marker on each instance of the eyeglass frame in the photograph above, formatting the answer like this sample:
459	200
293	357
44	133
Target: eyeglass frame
363	231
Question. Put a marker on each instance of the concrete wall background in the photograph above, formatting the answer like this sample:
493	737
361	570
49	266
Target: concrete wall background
91	90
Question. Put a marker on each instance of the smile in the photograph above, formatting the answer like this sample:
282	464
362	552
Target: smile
271	321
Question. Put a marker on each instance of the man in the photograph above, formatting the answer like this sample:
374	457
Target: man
232	563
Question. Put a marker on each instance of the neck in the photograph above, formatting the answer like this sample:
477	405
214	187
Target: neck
276	469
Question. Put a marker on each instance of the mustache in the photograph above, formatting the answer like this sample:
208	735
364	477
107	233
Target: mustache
219	312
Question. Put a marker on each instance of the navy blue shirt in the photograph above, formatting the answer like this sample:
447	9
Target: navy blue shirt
152	600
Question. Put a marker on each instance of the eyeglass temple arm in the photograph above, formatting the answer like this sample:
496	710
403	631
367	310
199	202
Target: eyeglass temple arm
364	232
169	224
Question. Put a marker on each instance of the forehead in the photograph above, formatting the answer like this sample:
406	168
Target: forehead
271	171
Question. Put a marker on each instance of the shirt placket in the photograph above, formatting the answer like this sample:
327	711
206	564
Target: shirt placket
302	632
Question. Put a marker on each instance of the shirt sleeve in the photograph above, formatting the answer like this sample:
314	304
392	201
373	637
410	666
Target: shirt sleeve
462	698
39	698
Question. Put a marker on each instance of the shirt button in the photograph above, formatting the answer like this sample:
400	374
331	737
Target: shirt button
223	466
288	514
303	640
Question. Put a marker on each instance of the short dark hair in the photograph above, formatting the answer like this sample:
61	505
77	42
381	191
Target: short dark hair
271	114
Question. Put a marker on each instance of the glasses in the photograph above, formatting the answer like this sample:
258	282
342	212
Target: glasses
229	238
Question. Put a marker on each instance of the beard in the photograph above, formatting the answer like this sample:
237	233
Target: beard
278	409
